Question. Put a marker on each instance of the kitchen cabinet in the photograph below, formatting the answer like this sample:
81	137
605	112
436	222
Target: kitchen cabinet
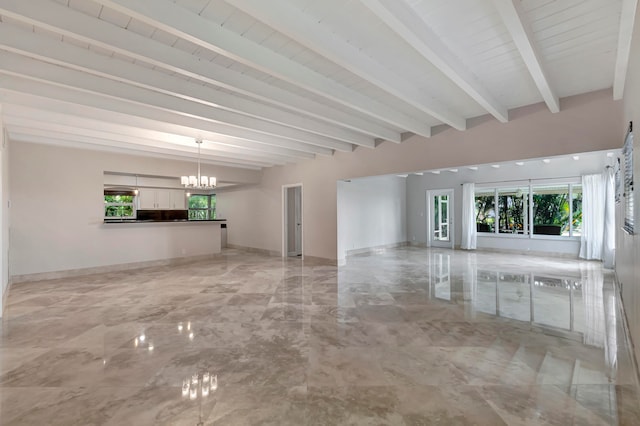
161	199
177	199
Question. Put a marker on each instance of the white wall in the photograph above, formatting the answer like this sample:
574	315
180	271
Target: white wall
58	207
585	123
628	246
371	213
564	167
4	213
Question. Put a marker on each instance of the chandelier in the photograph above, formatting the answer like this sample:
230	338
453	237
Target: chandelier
198	182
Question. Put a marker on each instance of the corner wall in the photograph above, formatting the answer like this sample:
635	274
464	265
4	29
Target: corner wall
586	123
371	213
628	246
4	213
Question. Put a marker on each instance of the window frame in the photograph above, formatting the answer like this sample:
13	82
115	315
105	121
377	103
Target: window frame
132	204
210	211
531	184
629	205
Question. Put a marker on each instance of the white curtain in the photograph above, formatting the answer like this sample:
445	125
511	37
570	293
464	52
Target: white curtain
593	213
609	243
469	231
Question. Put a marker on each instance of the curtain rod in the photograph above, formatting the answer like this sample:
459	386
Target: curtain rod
527	180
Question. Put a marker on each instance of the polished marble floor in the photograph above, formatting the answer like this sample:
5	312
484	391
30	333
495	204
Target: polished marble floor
410	336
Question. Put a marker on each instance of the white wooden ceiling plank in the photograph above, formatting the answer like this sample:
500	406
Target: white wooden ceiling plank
305	30
45	32
17	22
59	123
85	116
557	11
225	121
196	6
258	33
44	49
186	46
581	39
100	50
413	30
108	146
137	111
514	19
593	52
114	17
217	11
597	19
68	22
75	42
276	41
121	57
179	21
164	37
627	21
140	28
72	133
88	7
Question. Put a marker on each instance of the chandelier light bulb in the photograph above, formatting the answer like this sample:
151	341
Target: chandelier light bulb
199	181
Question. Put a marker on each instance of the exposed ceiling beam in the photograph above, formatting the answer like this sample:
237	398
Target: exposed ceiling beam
41	135
43	128
405	22
185	24
63	20
515	20
65	54
91	143
627	20
302	28
130	113
107	123
50	98
225	121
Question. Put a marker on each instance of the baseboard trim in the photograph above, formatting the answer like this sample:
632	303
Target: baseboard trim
627	331
254	250
54	275
376	249
527	252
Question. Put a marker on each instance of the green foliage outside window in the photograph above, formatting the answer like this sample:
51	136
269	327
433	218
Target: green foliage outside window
119	206
553	212
202	207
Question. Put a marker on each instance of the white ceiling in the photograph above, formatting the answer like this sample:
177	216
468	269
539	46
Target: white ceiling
271	82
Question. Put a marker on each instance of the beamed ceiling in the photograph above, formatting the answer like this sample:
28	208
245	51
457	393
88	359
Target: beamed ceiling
270	82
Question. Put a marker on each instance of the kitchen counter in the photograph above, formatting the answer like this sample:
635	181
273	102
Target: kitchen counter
161	220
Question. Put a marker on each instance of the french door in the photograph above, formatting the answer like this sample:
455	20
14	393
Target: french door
440	218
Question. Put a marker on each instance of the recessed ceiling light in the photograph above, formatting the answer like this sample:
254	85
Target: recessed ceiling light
453	170
576	157
473	168
435	172
609	154
520	163
402	176
495	166
418	173
546	161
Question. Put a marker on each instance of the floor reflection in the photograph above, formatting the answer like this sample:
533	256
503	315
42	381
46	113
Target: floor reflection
403	336
573	303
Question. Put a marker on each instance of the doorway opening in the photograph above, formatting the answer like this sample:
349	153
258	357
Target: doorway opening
292	241
440	219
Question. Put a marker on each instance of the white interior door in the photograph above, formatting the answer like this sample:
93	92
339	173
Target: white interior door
440	218
292	223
